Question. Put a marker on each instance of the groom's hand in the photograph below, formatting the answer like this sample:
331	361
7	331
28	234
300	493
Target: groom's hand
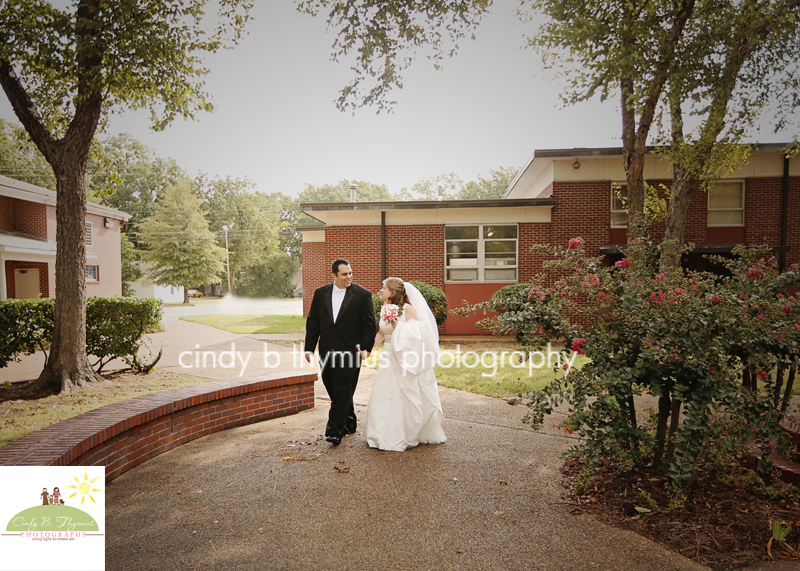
364	355
309	356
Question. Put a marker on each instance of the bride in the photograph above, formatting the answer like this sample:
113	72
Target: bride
404	407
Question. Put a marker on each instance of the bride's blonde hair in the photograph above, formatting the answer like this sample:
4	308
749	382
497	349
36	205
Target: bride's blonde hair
398	290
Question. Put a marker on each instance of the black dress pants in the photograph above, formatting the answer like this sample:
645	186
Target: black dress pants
340	377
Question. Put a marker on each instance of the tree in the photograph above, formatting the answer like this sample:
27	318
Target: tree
21	160
182	251
128	176
491	188
440	187
747	55
253	219
272	278
340	192
63	73
130	270
385	36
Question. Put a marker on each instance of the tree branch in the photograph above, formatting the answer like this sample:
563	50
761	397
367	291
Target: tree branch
26	111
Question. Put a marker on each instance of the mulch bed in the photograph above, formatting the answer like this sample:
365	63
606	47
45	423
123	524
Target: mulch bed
720	526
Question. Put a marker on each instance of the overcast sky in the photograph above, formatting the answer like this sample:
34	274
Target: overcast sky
276	123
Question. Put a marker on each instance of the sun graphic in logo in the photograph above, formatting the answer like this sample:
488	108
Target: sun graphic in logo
85	487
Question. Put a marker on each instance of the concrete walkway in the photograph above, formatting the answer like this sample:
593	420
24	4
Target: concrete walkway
275	495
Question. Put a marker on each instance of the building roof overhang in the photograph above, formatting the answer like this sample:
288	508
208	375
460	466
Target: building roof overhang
539	171
32	193
425	211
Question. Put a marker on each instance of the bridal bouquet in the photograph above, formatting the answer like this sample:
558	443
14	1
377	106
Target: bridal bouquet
390	312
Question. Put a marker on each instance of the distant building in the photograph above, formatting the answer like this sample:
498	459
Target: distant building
28	243
470	249
144	287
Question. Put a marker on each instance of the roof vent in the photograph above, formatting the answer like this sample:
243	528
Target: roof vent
353	192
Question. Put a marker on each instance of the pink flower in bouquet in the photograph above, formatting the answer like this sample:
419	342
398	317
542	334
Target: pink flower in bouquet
390	312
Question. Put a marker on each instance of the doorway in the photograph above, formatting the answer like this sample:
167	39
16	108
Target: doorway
26	284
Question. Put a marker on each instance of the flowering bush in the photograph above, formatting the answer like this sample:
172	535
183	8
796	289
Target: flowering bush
698	342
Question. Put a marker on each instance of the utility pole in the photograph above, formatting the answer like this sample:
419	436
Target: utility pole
225	229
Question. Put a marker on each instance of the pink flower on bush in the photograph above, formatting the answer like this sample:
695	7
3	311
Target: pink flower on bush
714	299
537	294
762	376
678	290
787	309
623	264
755	273
780	296
658	297
661	278
759	317
780	336
575	243
797	326
577	346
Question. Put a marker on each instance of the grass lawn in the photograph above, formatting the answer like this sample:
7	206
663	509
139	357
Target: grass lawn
21	417
484	369
252	324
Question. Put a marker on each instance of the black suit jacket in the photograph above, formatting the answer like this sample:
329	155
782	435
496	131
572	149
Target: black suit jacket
354	327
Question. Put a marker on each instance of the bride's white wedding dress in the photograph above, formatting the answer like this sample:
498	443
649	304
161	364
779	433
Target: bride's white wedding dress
404	407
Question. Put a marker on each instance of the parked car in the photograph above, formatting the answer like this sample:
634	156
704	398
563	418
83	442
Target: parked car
195	293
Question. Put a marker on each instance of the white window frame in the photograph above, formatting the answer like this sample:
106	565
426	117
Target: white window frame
88	235
96	272
481	267
612	211
709	209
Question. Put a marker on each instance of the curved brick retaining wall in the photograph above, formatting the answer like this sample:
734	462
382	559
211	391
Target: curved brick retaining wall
125	434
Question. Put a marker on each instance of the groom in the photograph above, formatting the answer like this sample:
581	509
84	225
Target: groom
342	319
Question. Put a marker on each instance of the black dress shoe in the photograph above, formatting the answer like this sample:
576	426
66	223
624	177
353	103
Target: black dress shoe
335	440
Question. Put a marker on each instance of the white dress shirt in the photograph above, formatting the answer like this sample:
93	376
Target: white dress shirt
337	298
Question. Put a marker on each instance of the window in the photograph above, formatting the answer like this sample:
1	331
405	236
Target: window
92	273
726	204
87	235
619	197
481	253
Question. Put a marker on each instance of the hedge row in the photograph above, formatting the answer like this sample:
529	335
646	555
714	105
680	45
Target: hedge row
114	327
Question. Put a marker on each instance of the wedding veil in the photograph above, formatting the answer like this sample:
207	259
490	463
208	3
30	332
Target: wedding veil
424	313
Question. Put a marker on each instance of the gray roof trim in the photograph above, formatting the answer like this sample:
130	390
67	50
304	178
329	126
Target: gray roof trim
427	204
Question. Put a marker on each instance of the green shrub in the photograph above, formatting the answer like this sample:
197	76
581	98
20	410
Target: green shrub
114	327
435	298
26	326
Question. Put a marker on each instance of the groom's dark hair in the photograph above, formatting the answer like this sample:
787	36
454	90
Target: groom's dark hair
337	263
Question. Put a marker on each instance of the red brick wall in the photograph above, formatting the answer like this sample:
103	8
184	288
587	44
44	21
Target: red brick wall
44	273
6	214
583	209
315	273
415	253
125	434
30	218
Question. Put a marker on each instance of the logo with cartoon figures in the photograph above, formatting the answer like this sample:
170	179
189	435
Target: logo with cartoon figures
53	518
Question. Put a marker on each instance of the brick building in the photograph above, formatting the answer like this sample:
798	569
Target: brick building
28	243
470	249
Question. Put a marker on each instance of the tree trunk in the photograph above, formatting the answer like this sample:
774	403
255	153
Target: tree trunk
683	187
185	295
674	423
787	394
68	365
776	392
664	407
